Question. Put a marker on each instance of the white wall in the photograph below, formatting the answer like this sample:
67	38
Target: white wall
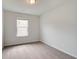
59	29
10	28
3	33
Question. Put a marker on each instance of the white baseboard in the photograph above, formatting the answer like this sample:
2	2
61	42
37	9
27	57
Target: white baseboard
19	43
59	49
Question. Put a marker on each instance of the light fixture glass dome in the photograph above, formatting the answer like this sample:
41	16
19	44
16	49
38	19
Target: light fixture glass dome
31	1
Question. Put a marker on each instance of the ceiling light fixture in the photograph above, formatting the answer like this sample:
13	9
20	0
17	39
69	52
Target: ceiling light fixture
31	1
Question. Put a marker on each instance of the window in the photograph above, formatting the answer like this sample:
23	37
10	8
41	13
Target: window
22	28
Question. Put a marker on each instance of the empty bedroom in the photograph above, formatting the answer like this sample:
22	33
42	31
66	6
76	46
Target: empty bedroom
39	29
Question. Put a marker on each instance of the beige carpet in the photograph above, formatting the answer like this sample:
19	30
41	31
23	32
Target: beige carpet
33	51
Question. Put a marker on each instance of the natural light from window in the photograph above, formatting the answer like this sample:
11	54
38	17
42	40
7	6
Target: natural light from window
22	28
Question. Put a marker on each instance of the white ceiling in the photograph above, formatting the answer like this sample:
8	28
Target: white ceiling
41	7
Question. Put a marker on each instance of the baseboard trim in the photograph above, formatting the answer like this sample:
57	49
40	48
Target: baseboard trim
59	50
20	44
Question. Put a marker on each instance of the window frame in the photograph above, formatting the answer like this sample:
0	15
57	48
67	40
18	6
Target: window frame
27	27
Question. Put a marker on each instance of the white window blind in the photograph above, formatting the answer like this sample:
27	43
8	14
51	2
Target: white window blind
22	28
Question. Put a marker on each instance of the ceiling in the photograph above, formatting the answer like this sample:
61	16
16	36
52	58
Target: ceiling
41	7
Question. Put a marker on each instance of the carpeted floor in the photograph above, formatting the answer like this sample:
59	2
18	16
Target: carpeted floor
37	50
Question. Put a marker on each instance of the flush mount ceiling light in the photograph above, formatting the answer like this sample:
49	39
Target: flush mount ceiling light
31	1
